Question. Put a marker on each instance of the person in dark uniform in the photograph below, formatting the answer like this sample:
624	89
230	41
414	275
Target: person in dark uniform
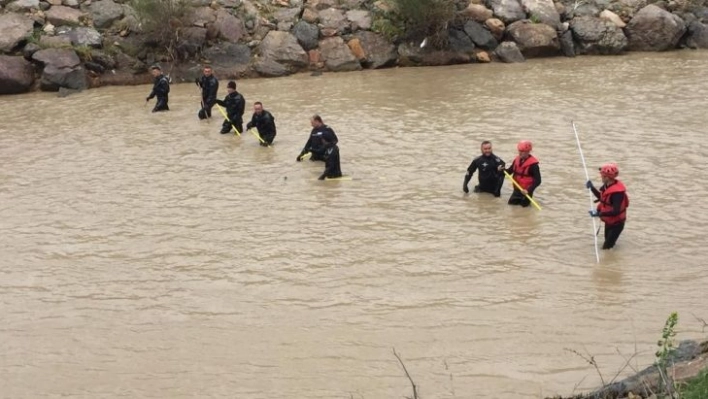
526	173
490	166
315	143
235	105
613	205
160	89
331	158
264	122
210	87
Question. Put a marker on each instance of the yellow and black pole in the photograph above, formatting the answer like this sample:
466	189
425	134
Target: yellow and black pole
227	118
522	190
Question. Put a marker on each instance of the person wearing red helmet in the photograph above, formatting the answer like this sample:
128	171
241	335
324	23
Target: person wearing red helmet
614	201
526	172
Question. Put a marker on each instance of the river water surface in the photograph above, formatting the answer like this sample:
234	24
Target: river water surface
147	256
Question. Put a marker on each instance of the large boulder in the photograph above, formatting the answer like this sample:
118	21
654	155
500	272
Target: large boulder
359	19
543	11
84	36
15	28
232	60
509	52
333	21
410	54
597	36
477	12
459	41
697	36
201	16
507	10
480	36
270	68
193	40
378	52
283	48
307	35
16	75
534	40
104	13
62	68
229	27
496	27
337	56
654	29
608	15
62	15
23	5
287	14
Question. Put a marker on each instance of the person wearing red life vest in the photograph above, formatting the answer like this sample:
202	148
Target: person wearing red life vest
613	203
526	172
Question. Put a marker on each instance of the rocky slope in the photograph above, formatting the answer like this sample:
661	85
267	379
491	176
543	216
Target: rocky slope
75	44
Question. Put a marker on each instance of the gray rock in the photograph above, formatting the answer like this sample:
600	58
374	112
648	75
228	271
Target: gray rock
271	68
29	49
15	28
193	39
307	35
201	16
228	53
64	92
61	15
334	19
697	35
480	36
409	53
597	36
231	60
86	37
509	52
542	10
104	13
379	52
23	5
71	3
360	19
287	14
103	59
229	27
337	56
283	48
567	44
459	41
654	29
534	40
16	75
507	10
94	67
62	68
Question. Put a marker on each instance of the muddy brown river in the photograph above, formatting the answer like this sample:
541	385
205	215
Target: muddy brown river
147	256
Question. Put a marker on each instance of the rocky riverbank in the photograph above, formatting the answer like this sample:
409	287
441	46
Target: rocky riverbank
76	44
690	359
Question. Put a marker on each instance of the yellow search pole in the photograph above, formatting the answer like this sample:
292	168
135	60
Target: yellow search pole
258	136
522	190
227	118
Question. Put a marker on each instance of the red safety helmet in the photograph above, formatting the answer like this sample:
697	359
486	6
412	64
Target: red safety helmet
524	146
609	170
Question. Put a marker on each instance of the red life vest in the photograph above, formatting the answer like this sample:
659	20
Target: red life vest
606	206
521	171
